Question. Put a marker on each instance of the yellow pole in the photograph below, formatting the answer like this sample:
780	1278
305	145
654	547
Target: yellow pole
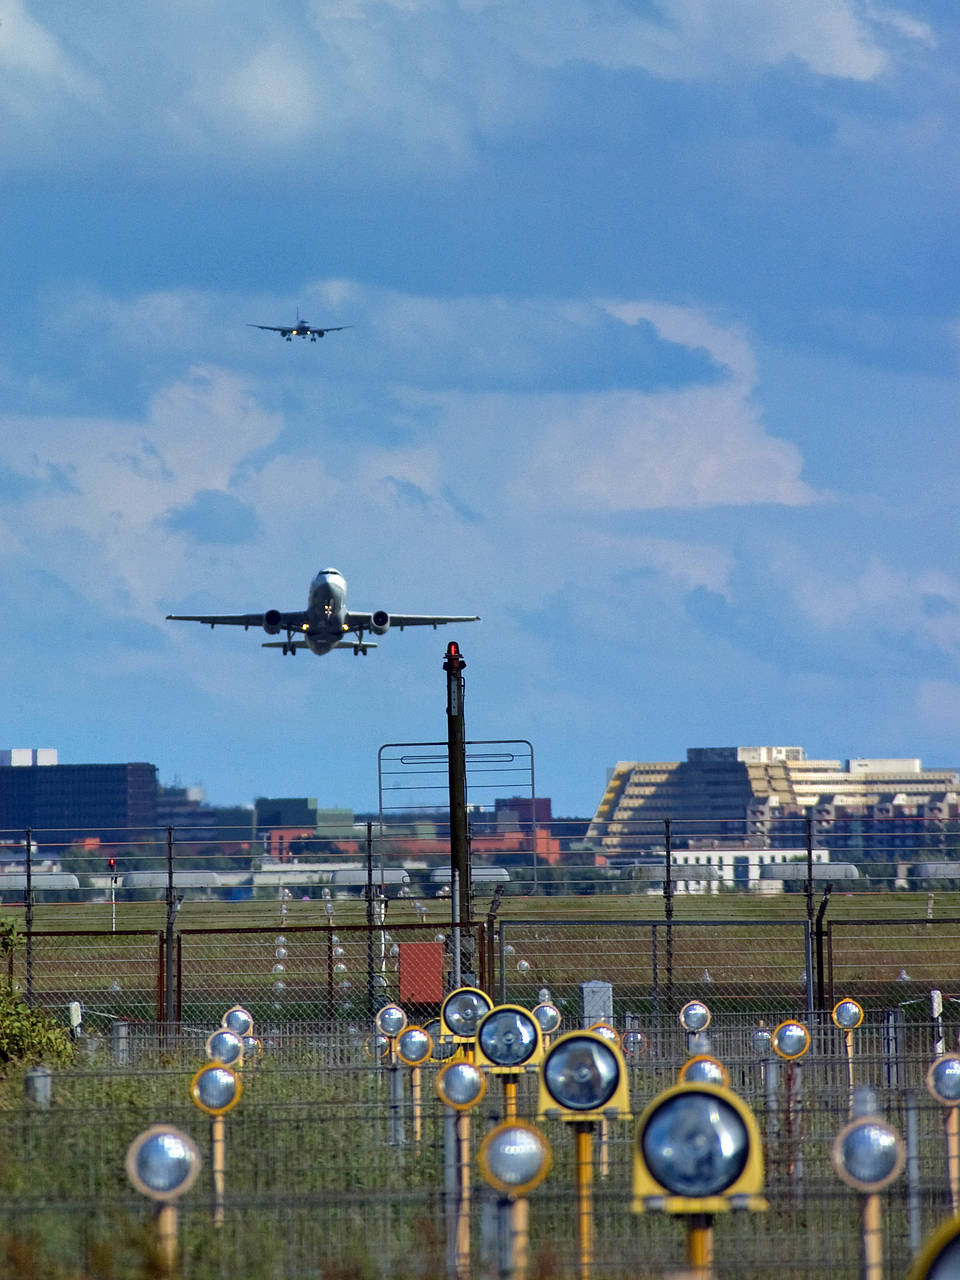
167	1237
872	1239
521	1237
700	1245
463	1213
953	1156
218	1145
604	1160
415	1096
509	1097
848	1038
584	1139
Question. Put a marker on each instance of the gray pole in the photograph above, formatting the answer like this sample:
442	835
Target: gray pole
453	665
370	992
29	915
169	995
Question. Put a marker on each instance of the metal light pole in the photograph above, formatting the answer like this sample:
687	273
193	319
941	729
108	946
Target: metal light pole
453	665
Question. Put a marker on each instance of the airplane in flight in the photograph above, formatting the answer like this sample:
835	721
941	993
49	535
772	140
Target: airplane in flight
301	329
326	622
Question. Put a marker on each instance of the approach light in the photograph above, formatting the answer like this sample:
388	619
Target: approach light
377	1046
939	1259
462	1010
583	1077
694	1016
704	1070
391	1020
508	1039
790	1040
226	1047
943	1079
414	1045
548	1016
697	1150
868	1154
238	1019
460	1085
762	1042
215	1089
163	1163
847	1014
604	1029
252	1047
443	1046
514	1158
634	1045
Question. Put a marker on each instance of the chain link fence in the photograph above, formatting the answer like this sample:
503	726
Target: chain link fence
333	1170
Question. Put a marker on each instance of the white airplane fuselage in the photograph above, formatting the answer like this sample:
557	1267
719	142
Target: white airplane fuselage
326	611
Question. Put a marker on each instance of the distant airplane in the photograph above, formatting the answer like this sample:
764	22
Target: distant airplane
325	622
301	329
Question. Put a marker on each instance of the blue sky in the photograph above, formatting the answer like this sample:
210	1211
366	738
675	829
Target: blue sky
654	365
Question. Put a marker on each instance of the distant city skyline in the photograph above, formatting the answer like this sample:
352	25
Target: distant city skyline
652	362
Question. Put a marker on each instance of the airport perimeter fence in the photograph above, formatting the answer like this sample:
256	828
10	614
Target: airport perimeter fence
908	850
333	1170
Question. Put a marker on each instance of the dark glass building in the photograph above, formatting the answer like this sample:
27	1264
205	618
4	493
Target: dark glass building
61	803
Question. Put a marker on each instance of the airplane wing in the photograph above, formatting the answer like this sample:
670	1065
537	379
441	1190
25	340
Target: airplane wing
274	328
331	328
364	621
286	621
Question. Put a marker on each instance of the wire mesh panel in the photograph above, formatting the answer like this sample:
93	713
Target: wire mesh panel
329	975
889	962
343	1170
113	975
653	968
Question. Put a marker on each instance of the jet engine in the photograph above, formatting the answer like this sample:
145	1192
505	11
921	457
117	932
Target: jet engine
271	622
380	623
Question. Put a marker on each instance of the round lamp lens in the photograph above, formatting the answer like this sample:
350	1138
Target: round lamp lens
239	1020
514	1156
943	1079
252	1046
694	1016
462	1010
163	1163
791	1039
548	1016
508	1037
215	1089
869	1152
225	1046
704	1071
695	1144
633	1044
414	1046
581	1074
391	1020
848	1014
460	1084
762	1042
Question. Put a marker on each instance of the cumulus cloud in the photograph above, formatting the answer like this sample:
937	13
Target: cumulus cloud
33	63
425	77
922	605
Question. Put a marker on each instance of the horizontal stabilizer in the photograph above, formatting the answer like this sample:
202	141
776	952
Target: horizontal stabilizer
284	644
356	644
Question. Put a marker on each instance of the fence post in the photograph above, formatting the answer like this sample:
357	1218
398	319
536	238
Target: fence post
169	991
28	913
668	906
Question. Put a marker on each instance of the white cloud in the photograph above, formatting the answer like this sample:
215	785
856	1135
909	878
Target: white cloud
33	63
854	591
